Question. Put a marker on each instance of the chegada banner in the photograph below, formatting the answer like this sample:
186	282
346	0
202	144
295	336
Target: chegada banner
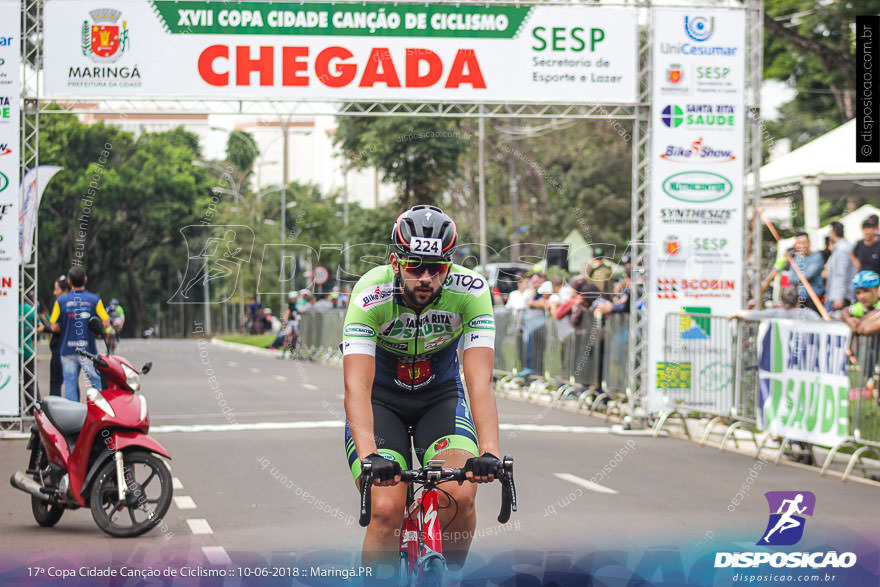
803	384
341	51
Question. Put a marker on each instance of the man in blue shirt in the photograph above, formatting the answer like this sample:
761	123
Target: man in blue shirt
70	317
809	263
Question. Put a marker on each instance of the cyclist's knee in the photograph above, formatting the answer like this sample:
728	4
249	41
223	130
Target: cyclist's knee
387	507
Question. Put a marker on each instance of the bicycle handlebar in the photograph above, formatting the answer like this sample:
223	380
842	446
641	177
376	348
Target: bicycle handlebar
504	474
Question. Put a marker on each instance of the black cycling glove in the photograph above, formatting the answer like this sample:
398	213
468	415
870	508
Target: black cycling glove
382	469
483	466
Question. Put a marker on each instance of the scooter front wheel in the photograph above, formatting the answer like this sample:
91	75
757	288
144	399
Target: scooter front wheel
147	498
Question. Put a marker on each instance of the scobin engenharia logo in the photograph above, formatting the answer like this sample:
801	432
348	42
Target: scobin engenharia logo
786	528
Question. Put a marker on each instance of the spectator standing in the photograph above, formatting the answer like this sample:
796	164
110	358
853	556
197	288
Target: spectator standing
809	263
866	253
255	316
533	317
839	271
599	273
56	377
70	317
516	300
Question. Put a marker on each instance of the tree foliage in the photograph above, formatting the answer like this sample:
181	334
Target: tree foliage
116	208
421	155
810	46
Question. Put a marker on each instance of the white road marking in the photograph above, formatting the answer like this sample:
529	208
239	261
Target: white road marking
303	425
184	502
556	428
199	526
586	484
254	370
216	555
232	363
279	377
310	386
176	484
312	424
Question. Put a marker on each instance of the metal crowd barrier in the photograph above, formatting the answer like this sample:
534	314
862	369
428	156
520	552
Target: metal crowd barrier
319	335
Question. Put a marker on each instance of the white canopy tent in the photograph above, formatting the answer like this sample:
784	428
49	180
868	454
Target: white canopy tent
825	167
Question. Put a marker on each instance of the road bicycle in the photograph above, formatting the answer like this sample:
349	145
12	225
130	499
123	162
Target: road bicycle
421	544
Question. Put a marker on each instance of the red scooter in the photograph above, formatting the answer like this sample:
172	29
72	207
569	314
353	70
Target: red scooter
98	454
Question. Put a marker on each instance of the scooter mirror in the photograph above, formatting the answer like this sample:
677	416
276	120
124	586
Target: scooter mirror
146	368
96	326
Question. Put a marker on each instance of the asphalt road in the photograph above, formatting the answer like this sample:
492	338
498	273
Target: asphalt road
261	475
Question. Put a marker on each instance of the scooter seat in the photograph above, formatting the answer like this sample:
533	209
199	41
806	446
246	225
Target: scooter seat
68	416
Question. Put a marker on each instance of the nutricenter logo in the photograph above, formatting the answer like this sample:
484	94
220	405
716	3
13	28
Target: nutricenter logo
697	187
786	528
357	329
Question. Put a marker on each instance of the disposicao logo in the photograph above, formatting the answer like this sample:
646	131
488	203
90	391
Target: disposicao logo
786	528
697	187
786	524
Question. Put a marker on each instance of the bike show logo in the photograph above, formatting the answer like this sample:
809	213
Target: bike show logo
5	149
785	527
105	40
698	29
696	152
697	216
697	187
699	116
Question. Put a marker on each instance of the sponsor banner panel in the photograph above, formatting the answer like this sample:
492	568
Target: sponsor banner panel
697	180
697	367
330	51
10	91
803	384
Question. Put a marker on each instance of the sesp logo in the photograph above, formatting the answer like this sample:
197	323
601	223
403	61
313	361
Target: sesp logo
786	524
699	28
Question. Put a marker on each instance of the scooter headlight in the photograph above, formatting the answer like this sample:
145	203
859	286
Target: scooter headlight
132	378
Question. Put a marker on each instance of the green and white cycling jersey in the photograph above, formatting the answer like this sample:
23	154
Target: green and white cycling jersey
416	351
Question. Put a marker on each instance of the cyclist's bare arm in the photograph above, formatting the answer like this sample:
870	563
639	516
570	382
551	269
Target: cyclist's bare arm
359	373
477	363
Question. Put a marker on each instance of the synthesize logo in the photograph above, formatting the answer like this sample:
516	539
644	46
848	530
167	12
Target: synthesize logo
699	28
786	524
103	40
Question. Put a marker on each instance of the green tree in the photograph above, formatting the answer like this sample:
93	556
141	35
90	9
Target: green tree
117	208
810	46
420	155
